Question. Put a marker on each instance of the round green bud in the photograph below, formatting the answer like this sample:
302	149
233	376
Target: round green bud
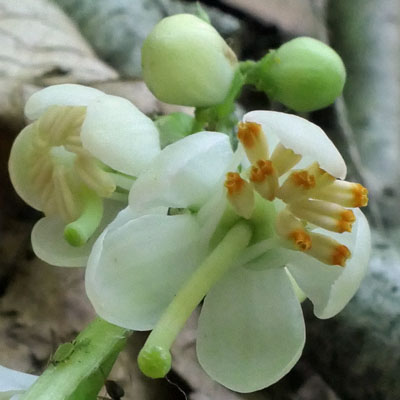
304	74
185	61
154	361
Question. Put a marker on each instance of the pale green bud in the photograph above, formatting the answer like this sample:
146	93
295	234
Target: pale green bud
304	74
185	61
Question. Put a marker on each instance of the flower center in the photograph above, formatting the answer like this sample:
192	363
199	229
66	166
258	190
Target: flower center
311	195
61	167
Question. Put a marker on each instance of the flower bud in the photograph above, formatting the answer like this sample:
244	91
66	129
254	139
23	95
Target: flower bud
304	74
185	61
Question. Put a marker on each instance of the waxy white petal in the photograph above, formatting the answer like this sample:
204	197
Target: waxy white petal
13	382
301	136
19	165
49	245
120	135
251	329
135	270
185	174
60	95
331	287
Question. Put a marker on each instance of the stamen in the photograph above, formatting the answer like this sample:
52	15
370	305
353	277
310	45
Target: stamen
298	184
93	176
347	194
253	140
264	179
284	159
290	227
330	216
328	250
240	194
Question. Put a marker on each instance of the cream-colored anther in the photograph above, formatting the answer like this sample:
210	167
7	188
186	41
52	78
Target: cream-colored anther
61	166
290	227
328	250
347	194
93	176
253	140
284	159
264	179
330	216
322	178
240	194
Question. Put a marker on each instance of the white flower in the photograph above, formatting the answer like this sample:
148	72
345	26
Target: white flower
14	383
251	329
82	146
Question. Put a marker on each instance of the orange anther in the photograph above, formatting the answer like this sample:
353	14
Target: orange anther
304	179
360	195
262	169
248	133
340	255
234	183
301	239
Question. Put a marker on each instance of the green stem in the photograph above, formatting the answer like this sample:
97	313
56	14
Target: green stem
154	359
81	374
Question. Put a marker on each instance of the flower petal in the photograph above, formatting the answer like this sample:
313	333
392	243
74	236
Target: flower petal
136	269
120	135
12	382
301	136
61	95
329	287
251	329
19	165
50	246
185	174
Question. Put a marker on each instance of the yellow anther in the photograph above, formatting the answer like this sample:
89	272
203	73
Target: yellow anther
360	195
240	194
253	140
264	179
284	159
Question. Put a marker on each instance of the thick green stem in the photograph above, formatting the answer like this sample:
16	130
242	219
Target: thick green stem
80	373
154	359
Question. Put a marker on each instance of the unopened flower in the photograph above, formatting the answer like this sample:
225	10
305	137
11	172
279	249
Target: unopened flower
185	61
83	146
149	269
14	383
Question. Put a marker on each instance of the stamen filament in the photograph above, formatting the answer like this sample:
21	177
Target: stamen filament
154	359
78	232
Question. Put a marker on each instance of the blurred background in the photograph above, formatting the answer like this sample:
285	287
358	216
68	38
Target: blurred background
353	356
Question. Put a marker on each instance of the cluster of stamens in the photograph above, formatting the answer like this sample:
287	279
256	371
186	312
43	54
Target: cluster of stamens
312	196
61	167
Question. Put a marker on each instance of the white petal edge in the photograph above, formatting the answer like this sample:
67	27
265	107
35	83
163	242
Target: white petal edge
120	135
185	174
19	166
49	245
329	287
135	270
303	137
67	94
251	329
12	382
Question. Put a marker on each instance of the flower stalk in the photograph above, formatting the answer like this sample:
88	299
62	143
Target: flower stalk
81	374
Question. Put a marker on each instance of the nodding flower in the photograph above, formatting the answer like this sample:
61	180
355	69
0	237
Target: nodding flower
81	147
253	242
